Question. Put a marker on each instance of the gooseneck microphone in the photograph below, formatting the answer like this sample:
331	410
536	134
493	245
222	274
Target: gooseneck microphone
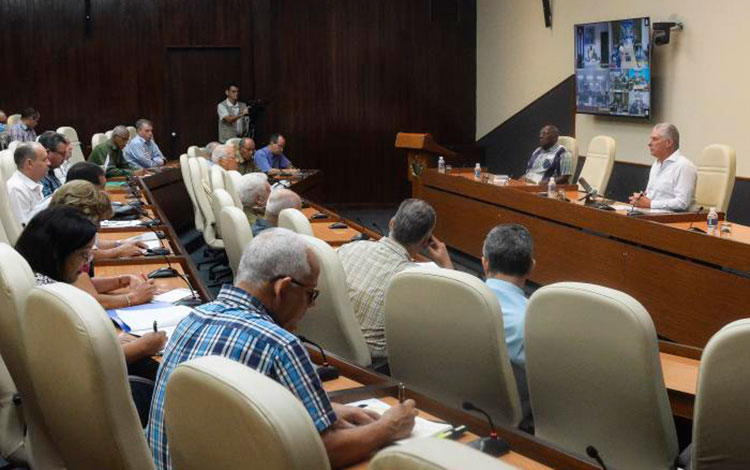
326	371
696	229
594	454
491	445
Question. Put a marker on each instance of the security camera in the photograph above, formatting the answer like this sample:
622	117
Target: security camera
662	32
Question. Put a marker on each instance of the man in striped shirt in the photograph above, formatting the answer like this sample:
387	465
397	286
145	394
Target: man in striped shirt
24	130
550	159
250	322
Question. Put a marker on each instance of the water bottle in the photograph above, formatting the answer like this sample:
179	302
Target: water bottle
441	165
552	188
713	221
477	172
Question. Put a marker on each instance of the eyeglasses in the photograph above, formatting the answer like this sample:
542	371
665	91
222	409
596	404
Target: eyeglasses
312	294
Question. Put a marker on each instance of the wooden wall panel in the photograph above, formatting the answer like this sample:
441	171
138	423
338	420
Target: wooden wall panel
343	75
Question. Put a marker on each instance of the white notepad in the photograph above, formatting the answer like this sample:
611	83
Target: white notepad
422	427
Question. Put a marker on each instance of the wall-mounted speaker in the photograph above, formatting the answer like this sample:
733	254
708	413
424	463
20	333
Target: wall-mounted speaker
547	13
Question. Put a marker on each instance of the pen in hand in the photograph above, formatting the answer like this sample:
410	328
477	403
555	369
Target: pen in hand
156	328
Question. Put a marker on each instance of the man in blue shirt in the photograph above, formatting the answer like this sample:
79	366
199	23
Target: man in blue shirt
271	159
250	322
142	151
508	259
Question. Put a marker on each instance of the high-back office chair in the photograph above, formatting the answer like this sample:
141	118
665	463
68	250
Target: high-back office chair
231	184
717	166
195	151
80	378
235	141
331	321
7	164
11	225
97	139
72	136
219	200
571	145
258	422
216	177
12	428
722	410
3	235
583	343
449	321
209	222
186	179
108	134
132	131
16	281
295	221
237	234
13	119
434	454
600	158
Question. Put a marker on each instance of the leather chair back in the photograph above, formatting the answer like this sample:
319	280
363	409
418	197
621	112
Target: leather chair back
434	454
216	175
717	166
195	151
204	203
295	221
449	321
133	132
108	134
219	200
11	225
237	234
82	388
13	119
7	164
595	378
331	321
571	145
97	139
722	410
72	136
186	179
600	158
260	423
231	183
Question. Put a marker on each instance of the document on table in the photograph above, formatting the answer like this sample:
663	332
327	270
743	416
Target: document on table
173	295
628	208
422	427
149	238
121	223
139	319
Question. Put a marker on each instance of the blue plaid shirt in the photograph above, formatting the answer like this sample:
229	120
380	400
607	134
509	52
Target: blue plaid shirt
237	326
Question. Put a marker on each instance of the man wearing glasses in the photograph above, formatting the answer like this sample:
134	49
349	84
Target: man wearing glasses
109	154
250	322
56	146
271	159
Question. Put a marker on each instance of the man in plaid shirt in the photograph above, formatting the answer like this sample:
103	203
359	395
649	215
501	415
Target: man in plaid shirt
24	130
250	322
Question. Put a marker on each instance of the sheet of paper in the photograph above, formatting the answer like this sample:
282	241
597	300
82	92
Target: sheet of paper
422	427
121	223
144	237
628	207
142	319
428	265
173	295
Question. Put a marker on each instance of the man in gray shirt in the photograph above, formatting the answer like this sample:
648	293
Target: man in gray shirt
232	114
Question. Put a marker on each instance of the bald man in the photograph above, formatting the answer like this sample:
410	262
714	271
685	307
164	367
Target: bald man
549	160
279	200
24	187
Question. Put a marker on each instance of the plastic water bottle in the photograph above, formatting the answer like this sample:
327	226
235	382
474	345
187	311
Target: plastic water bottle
552	188
713	221
477	172
441	165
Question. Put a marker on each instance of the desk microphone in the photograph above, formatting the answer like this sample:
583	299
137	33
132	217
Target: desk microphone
194	300
151	223
160	272
696	229
491	445
594	454
326	372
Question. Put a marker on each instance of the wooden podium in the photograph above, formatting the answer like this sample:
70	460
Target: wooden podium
422	153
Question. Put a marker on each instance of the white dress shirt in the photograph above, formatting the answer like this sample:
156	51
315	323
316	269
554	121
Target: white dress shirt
671	183
23	194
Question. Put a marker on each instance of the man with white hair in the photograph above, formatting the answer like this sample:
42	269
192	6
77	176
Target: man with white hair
250	322
254	190
279	200
109	154
672	179
225	156
24	187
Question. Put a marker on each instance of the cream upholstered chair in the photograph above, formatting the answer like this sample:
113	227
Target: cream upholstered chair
237	234
270	428
72	136
600	158
82	388
13	119
205	175
195	151
231	184
186	179
450	321
216	175
571	145
132	131
434	454
331	321
234	141
219	200
97	139
108	134
295	221
13	145
11	225
722	412
717	166
3	235
201	197
7	164
12	427
594	375
16	281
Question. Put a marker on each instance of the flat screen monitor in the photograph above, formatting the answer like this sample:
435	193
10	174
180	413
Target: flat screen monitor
613	68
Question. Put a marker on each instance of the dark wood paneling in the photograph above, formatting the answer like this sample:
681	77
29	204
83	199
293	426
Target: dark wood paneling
343	75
